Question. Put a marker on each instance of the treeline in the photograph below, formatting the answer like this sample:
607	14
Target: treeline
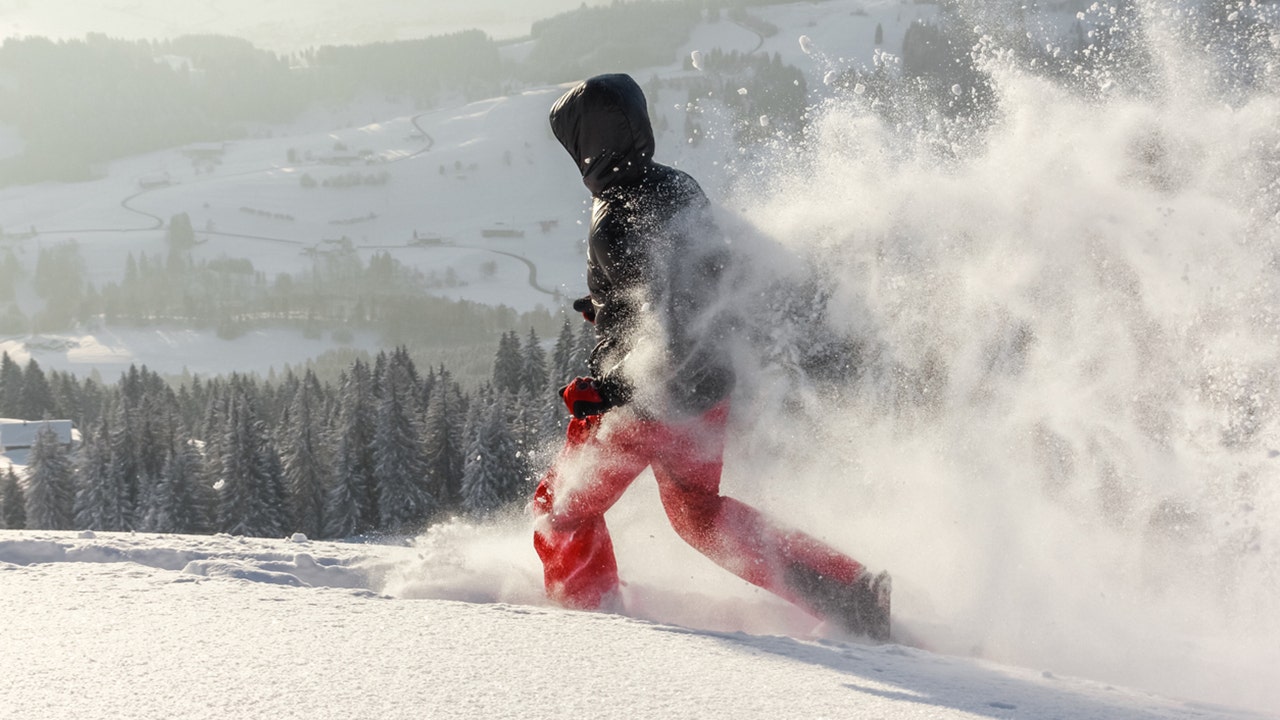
610	38
625	36
387	449
465	62
340	292
80	102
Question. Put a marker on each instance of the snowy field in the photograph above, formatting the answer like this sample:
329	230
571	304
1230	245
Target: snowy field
137	626
172	351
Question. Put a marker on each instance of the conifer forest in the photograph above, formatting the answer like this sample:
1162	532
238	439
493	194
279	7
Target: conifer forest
388	448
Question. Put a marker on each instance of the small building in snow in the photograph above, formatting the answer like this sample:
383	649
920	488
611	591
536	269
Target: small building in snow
17	436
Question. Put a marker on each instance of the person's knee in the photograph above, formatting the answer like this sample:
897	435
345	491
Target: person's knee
692	512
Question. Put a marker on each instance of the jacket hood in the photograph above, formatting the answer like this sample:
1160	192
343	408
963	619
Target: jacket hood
604	124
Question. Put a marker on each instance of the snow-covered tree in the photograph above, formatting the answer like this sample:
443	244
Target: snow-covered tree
50	494
251	483
508	364
123	460
533	366
404	500
100	500
37	396
492	477
154	425
446	415
308	469
178	504
10	387
13	511
566	357
351	507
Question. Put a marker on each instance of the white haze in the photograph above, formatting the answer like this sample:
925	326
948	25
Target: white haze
1061	434
278	25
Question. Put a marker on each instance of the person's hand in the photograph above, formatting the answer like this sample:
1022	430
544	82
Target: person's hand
582	397
585	306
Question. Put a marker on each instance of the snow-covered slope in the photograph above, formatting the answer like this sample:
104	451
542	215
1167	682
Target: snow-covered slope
135	626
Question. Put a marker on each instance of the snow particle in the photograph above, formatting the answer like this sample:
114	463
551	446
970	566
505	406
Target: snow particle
806	44
742	91
860	88
829	78
696	57
956	90
298	537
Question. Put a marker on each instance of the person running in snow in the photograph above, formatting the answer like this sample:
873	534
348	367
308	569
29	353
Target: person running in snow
658	394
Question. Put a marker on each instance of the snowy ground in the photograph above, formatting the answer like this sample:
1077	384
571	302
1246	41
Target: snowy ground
109	352
142	626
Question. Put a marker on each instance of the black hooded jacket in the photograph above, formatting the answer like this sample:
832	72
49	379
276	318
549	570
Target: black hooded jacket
655	258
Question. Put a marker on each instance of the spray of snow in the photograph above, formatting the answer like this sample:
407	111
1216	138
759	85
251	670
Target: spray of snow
1055	422
1059	426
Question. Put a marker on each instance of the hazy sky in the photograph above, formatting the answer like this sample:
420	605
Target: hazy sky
281	25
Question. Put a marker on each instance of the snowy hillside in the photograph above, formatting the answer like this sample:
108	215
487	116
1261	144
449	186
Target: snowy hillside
479	194
168	626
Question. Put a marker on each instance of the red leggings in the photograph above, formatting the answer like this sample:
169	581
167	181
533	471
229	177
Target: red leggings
596	466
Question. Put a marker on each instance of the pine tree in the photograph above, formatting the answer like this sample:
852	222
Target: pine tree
10	387
492	477
508	365
180	234
404	500
533	368
50	494
251	484
565	357
444	447
37	396
124	466
178	505
100	503
154	427
13	510
68	398
308	471
351	508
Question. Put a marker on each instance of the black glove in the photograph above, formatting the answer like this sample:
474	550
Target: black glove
582	397
585	306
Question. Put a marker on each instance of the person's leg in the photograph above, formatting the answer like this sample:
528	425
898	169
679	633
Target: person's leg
744	541
570	536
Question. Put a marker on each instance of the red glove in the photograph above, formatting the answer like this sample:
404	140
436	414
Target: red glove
587	307
582	397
